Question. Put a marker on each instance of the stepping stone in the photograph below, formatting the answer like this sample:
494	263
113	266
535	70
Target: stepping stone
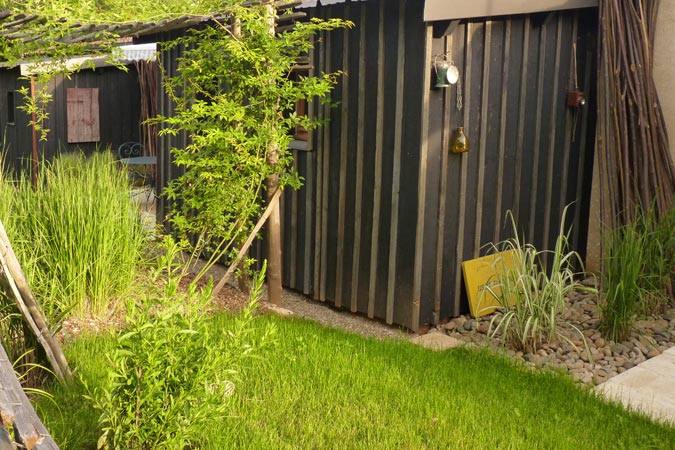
437	341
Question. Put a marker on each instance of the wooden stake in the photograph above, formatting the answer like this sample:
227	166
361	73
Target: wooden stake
16	286
244	248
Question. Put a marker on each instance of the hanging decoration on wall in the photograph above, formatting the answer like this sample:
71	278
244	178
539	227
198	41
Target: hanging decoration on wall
447	73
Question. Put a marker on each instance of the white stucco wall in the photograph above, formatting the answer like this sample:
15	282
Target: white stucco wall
664	77
664	64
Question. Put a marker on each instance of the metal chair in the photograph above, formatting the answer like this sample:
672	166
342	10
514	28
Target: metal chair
130	150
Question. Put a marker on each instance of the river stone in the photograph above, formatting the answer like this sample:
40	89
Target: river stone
459	321
450	326
437	341
652	353
468	324
483	327
599	342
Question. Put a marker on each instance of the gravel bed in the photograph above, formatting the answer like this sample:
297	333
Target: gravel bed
591	360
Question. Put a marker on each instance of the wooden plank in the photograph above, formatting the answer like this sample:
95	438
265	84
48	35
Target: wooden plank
552	139
442	198
396	176
502	130
422	184
379	136
537	133
464	167
521	116
485	92
18	411
344	150
360	144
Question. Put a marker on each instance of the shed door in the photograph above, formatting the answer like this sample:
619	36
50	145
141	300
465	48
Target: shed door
83	117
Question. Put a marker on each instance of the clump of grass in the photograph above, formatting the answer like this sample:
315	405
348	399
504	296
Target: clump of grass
531	295
79	235
638	272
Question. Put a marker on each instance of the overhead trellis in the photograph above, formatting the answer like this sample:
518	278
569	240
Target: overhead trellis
636	168
30	36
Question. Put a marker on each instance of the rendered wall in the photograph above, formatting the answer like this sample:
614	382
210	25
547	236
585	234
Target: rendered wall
664	76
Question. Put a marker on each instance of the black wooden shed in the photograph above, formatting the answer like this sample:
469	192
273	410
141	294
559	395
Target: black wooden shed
108	111
387	213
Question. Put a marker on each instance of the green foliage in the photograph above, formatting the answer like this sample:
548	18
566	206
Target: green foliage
78	236
169	377
531	295
234	98
638	271
321	388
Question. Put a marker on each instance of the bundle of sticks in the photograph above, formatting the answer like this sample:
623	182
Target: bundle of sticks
636	168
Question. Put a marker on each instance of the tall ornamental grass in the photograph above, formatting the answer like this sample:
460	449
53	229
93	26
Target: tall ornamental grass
78	236
531	295
638	272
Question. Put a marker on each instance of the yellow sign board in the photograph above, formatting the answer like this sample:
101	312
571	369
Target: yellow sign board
481	276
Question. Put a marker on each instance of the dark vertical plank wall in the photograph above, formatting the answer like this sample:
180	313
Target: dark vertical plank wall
388	212
119	113
349	233
530	153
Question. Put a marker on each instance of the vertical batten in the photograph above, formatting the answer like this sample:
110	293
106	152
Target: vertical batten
309	194
293	275
537	132
360	143
422	185
521	117
309	191
319	179
552	146
379	136
344	149
570	117
485	92
396	177
459	244
325	179
502	131
442	198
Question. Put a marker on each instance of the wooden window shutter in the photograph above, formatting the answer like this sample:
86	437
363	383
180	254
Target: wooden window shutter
82	114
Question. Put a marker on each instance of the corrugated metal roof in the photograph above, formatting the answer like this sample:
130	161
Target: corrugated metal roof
129	54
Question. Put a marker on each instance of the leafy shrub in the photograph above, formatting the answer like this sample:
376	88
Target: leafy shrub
78	236
532	296
169	378
638	272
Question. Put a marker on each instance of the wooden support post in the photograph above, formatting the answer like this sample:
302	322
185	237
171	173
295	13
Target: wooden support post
274	289
35	140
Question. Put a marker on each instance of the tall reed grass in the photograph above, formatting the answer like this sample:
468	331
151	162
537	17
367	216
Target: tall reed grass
79	235
638	272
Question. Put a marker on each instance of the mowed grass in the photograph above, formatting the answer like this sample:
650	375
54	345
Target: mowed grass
320	388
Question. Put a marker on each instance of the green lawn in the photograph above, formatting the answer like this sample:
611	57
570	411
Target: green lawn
320	388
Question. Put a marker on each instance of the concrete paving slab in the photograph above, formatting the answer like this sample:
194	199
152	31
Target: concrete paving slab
648	387
436	341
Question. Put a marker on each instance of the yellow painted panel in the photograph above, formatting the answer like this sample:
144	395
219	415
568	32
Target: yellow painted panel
482	272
